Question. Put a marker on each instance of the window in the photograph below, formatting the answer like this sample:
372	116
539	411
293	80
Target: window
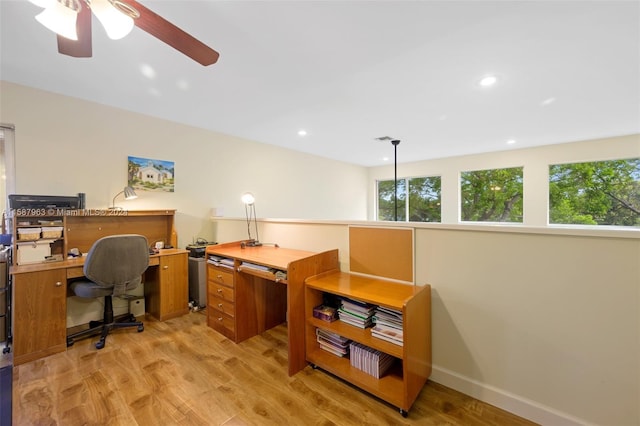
7	164
595	193
493	195
423	199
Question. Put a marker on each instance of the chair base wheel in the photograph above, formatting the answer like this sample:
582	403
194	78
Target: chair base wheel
100	344
140	328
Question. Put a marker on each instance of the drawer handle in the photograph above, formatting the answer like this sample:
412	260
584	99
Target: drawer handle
219	290
219	318
58	284
219	277
219	305
165	267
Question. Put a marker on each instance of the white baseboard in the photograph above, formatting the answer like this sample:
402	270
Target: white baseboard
507	401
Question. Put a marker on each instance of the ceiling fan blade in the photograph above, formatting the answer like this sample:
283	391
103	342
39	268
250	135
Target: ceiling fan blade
165	31
80	48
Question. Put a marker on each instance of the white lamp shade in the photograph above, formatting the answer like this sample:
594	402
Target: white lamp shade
115	22
61	17
129	193
248	198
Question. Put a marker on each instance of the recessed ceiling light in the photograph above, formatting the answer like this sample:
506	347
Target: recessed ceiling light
385	158
302	133
488	80
548	101
148	71
511	141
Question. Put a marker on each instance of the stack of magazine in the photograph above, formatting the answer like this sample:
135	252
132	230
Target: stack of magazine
333	343
387	325
221	261
357	313
369	360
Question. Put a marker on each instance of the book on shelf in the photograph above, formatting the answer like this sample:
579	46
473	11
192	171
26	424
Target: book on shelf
355	322
332	336
333	350
356	312
388	335
388	325
358	307
332	342
369	360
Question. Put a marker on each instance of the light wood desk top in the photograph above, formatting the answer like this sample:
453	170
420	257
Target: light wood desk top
73	266
273	257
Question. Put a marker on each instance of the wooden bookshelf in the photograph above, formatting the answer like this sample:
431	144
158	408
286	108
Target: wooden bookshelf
401	385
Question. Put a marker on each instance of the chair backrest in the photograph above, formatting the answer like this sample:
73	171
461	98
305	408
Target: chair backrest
117	261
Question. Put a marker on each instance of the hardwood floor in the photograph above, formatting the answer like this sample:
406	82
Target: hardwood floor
181	372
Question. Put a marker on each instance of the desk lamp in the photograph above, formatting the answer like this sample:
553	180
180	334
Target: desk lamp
250	209
129	194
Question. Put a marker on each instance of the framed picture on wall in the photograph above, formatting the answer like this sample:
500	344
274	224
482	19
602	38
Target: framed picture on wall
146	174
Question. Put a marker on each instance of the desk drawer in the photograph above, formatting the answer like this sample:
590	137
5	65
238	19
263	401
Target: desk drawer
75	272
217	291
219	276
222	306
221	323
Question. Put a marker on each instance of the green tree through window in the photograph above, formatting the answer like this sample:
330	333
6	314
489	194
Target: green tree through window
423	195
493	195
424	199
595	193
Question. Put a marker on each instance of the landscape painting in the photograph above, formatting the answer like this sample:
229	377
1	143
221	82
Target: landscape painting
151	175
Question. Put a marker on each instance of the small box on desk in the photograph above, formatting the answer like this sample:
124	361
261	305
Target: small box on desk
325	313
33	252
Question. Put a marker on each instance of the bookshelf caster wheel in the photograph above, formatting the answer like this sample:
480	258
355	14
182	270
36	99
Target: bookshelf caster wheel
140	328
404	413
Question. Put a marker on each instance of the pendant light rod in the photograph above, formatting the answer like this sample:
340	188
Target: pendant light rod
395	143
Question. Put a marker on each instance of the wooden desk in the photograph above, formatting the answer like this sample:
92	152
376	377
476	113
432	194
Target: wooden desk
243	302
40	300
40	291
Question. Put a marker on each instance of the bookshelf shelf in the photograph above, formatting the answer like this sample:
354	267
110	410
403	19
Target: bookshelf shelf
359	335
401	385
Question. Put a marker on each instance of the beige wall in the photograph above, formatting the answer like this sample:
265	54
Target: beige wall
542	322
65	146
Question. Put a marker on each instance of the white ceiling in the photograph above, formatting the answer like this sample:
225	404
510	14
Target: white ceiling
351	71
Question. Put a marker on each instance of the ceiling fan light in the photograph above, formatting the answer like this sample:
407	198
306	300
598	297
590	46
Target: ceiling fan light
60	17
115	22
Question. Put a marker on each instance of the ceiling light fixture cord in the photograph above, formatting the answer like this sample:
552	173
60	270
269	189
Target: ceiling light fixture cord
395	143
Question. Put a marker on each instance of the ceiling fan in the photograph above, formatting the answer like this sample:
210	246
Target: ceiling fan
71	20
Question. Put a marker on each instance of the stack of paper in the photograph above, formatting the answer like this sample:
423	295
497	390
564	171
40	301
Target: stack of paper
221	261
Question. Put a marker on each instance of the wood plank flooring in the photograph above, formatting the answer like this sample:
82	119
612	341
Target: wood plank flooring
181	372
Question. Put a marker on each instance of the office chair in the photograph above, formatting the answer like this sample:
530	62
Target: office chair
113	265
